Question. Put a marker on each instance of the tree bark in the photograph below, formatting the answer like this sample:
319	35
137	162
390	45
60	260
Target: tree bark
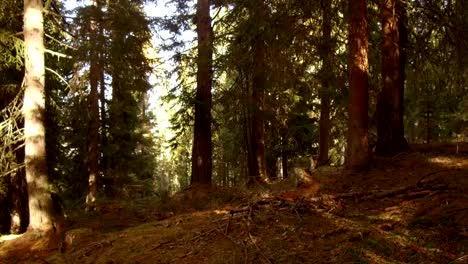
202	145
42	216
257	165
357	156
326	76
390	131
18	197
94	121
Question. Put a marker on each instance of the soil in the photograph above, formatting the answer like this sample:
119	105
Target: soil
412	208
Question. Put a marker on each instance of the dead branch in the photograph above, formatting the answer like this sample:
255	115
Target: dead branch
162	244
258	249
403	192
430	174
372	194
414	195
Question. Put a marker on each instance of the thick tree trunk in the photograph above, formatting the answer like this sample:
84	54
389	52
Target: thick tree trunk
357	156
94	122
202	146
42	216
257	165
326	77
390	131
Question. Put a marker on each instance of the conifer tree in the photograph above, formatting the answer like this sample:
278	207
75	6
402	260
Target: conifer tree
202	145
44	216
357	149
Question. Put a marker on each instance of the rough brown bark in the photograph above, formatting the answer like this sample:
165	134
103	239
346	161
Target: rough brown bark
42	216
94	121
202	146
257	165
357	156
390	131
326	76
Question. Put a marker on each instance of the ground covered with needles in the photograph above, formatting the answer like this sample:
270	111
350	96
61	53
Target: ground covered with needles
412	208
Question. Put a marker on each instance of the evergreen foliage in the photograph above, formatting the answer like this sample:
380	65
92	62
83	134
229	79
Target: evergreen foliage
135	157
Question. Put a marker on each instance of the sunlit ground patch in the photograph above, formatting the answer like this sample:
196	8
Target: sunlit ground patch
449	162
8	237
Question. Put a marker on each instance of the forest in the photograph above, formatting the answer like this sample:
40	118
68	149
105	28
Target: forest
234	131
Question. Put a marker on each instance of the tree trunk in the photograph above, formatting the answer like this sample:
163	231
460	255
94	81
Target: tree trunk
94	122
202	146
42	216
257	165
18	197
357	156
284	165
326	77
104	167
390	131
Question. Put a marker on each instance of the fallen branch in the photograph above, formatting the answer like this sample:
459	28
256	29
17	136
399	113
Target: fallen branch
162	244
430	174
258	249
374	194
403	192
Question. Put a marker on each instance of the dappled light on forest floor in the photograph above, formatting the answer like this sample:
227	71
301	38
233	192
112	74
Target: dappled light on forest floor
4	238
405	209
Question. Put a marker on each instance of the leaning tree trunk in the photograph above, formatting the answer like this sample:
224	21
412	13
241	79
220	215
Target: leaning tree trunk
43	217
202	146
357	156
326	76
390	131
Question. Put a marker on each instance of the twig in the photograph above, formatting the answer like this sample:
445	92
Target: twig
258	249
461	259
239	210
203	234
161	244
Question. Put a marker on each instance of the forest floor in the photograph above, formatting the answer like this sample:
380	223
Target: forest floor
412	208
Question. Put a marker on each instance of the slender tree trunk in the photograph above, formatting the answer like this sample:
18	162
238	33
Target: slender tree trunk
42	216
103	115
284	164
326	76
284	152
202	146
104	164
357	149
19	214
94	122
390	132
